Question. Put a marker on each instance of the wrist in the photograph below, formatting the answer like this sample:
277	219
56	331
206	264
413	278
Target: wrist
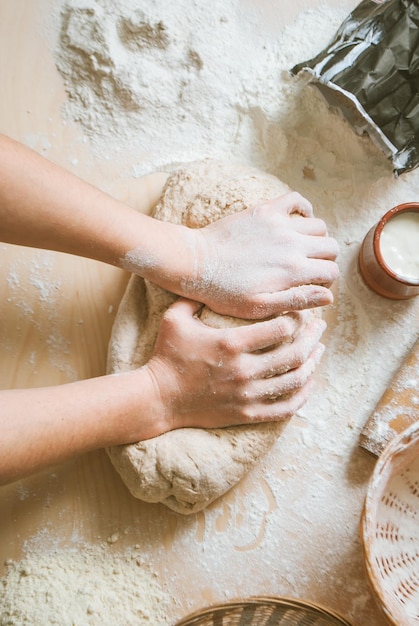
144	414
167	256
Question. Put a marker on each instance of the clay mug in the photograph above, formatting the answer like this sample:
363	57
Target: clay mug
375	271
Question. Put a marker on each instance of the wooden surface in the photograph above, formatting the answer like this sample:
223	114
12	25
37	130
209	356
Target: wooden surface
397	408
56	313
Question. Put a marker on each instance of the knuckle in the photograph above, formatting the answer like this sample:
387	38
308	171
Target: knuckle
229	344
241	377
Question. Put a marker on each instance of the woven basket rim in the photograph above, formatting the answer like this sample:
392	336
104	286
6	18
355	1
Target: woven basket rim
296	603
397	456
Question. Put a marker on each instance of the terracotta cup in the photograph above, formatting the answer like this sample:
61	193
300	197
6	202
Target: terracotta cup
375	272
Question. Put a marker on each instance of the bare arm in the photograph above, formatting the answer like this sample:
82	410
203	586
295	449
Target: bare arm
263	261
44	206
202	377
197	376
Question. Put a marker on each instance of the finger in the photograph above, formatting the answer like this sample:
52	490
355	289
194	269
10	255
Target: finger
321	248
297	204
293	299
310	226
183	307
320	271
291	203
262	335
300	318
288	356
271	389
282	408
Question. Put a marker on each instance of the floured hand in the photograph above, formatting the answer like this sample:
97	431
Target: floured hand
207	377
265	260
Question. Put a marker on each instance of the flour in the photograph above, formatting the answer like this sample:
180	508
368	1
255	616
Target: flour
83	586
36	281
143	105
176	83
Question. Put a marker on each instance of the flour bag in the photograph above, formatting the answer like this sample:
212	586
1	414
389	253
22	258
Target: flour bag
370	73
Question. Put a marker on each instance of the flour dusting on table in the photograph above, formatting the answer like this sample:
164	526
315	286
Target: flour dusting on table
157	84
83	587
174	82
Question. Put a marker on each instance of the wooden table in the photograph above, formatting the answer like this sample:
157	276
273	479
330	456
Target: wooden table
271	535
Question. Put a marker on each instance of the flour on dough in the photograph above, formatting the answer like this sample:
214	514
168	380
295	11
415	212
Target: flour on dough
188	468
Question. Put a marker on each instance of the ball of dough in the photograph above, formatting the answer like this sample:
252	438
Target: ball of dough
188	468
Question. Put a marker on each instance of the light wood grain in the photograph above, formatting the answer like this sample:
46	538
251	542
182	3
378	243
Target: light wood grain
56	314
397	408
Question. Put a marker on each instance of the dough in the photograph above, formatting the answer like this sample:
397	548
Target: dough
188	468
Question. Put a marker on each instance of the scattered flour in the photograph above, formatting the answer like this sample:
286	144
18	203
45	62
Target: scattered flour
36	293
84	586
175	82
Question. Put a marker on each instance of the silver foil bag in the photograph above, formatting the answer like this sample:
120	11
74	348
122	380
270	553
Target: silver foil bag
370	73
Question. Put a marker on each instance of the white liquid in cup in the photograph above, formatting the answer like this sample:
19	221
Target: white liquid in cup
399	245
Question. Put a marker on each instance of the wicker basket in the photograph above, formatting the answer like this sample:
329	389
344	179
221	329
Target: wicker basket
390	529
263	611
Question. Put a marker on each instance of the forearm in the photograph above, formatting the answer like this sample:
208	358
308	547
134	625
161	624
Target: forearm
198	377
48	425
44	206
222	265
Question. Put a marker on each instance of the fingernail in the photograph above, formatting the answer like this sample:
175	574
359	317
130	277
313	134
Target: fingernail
324	296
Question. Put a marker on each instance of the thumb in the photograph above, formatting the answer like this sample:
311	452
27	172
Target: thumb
184	307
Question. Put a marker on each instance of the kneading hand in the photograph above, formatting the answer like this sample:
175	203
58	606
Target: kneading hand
265	260
208	377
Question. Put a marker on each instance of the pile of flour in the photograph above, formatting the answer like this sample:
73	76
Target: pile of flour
173	82
84	586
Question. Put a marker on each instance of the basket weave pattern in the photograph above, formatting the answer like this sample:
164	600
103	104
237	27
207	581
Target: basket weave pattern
264	612
390	530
